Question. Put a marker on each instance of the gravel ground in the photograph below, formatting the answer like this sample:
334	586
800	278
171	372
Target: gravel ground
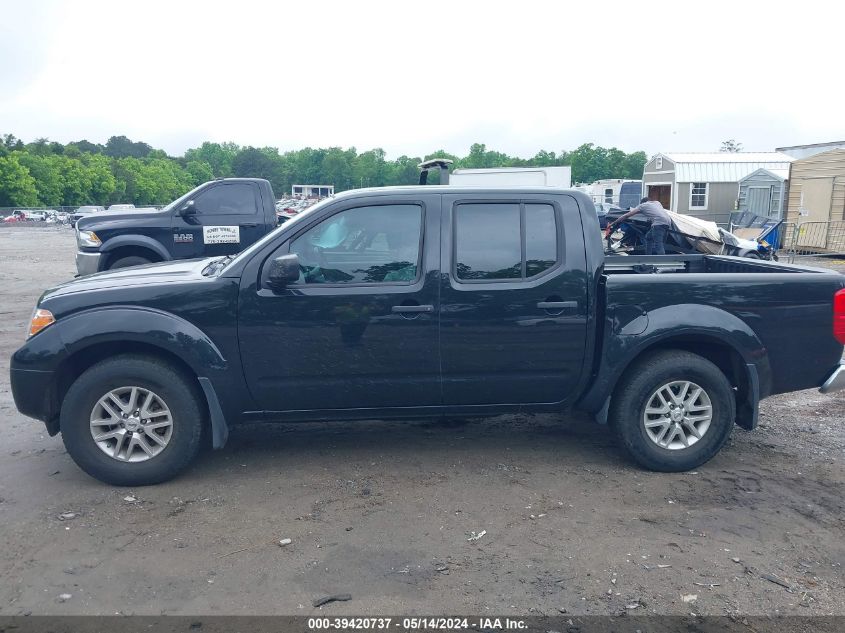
384	511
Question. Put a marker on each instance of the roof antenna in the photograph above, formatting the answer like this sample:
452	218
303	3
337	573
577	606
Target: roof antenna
442	164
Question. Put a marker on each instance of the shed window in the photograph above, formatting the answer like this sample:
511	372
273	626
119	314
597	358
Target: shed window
658	162
698	195
608	195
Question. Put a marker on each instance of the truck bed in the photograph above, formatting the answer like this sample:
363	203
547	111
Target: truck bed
653	264
787	314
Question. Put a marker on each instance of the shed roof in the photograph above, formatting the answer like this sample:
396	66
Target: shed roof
724	166
832	144
776	174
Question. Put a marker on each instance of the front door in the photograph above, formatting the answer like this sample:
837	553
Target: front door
514	303
760	200
661	193
359	328
229	217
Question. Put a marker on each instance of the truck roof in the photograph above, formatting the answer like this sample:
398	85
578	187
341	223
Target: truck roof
459	189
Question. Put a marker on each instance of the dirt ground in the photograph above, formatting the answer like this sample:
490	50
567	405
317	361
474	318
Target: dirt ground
384	511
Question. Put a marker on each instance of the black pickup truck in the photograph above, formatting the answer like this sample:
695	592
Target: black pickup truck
413	302
220	217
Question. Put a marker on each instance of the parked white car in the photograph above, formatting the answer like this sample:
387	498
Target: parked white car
35	216
83	211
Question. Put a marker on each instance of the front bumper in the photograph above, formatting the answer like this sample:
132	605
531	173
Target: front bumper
87	263
34	394
835	382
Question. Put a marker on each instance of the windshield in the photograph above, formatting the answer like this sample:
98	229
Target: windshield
272	234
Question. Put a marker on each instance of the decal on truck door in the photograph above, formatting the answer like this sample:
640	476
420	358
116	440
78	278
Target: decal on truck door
183	238
221	234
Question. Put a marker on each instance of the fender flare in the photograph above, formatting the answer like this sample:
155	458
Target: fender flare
172	335
140	241
683	321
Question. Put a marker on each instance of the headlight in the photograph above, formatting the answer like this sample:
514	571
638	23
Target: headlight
87	238
40	319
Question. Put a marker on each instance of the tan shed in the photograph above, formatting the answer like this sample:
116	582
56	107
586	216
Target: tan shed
817	188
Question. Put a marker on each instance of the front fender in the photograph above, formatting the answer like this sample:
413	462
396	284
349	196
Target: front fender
140	241
142	325
52	353
623	344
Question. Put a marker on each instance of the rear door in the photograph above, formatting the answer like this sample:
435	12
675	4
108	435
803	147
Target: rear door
513	315
229	217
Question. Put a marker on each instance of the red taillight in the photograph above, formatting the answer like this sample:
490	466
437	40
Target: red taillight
839	316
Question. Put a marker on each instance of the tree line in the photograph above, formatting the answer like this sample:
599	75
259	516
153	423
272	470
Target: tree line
45	173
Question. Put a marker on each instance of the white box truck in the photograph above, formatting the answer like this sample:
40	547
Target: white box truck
560	177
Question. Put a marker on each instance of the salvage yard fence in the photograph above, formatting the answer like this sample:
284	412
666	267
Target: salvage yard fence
5	211
814	239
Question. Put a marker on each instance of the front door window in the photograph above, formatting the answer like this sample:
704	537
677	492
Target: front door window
364	245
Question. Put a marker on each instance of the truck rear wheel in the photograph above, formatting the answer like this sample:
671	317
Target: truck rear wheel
131	260
673	411
132	421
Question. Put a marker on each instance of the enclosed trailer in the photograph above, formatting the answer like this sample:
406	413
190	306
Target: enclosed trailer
517	176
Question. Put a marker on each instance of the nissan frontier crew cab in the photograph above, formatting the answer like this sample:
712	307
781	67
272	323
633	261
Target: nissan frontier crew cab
220	217
414	302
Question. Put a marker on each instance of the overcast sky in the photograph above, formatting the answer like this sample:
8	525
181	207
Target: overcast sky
413	77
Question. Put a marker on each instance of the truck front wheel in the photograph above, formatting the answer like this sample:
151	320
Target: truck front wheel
673	411
132	421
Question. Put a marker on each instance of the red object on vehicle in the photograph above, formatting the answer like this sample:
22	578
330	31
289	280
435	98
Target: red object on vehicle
839	316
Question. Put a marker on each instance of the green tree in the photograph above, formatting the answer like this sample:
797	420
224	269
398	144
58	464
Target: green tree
159	181
731	146
200	171
11	142
218	155
122	147
102	182
48	180
87	146
252	162
17	186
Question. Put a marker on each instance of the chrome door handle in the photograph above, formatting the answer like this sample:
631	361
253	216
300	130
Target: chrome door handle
557	305
407	309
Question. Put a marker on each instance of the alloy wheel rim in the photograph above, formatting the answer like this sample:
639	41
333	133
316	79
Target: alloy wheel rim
131	424
677	415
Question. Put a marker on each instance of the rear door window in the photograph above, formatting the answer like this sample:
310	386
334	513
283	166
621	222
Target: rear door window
504	242
488	242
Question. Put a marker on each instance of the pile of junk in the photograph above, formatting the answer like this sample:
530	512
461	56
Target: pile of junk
689	235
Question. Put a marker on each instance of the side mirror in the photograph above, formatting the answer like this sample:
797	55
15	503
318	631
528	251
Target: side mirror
284	270
188	209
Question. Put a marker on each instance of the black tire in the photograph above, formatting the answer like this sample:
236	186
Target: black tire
635	391
131	260
182	398
752	255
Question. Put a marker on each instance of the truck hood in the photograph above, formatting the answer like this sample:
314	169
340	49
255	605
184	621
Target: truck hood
105	220
189	270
